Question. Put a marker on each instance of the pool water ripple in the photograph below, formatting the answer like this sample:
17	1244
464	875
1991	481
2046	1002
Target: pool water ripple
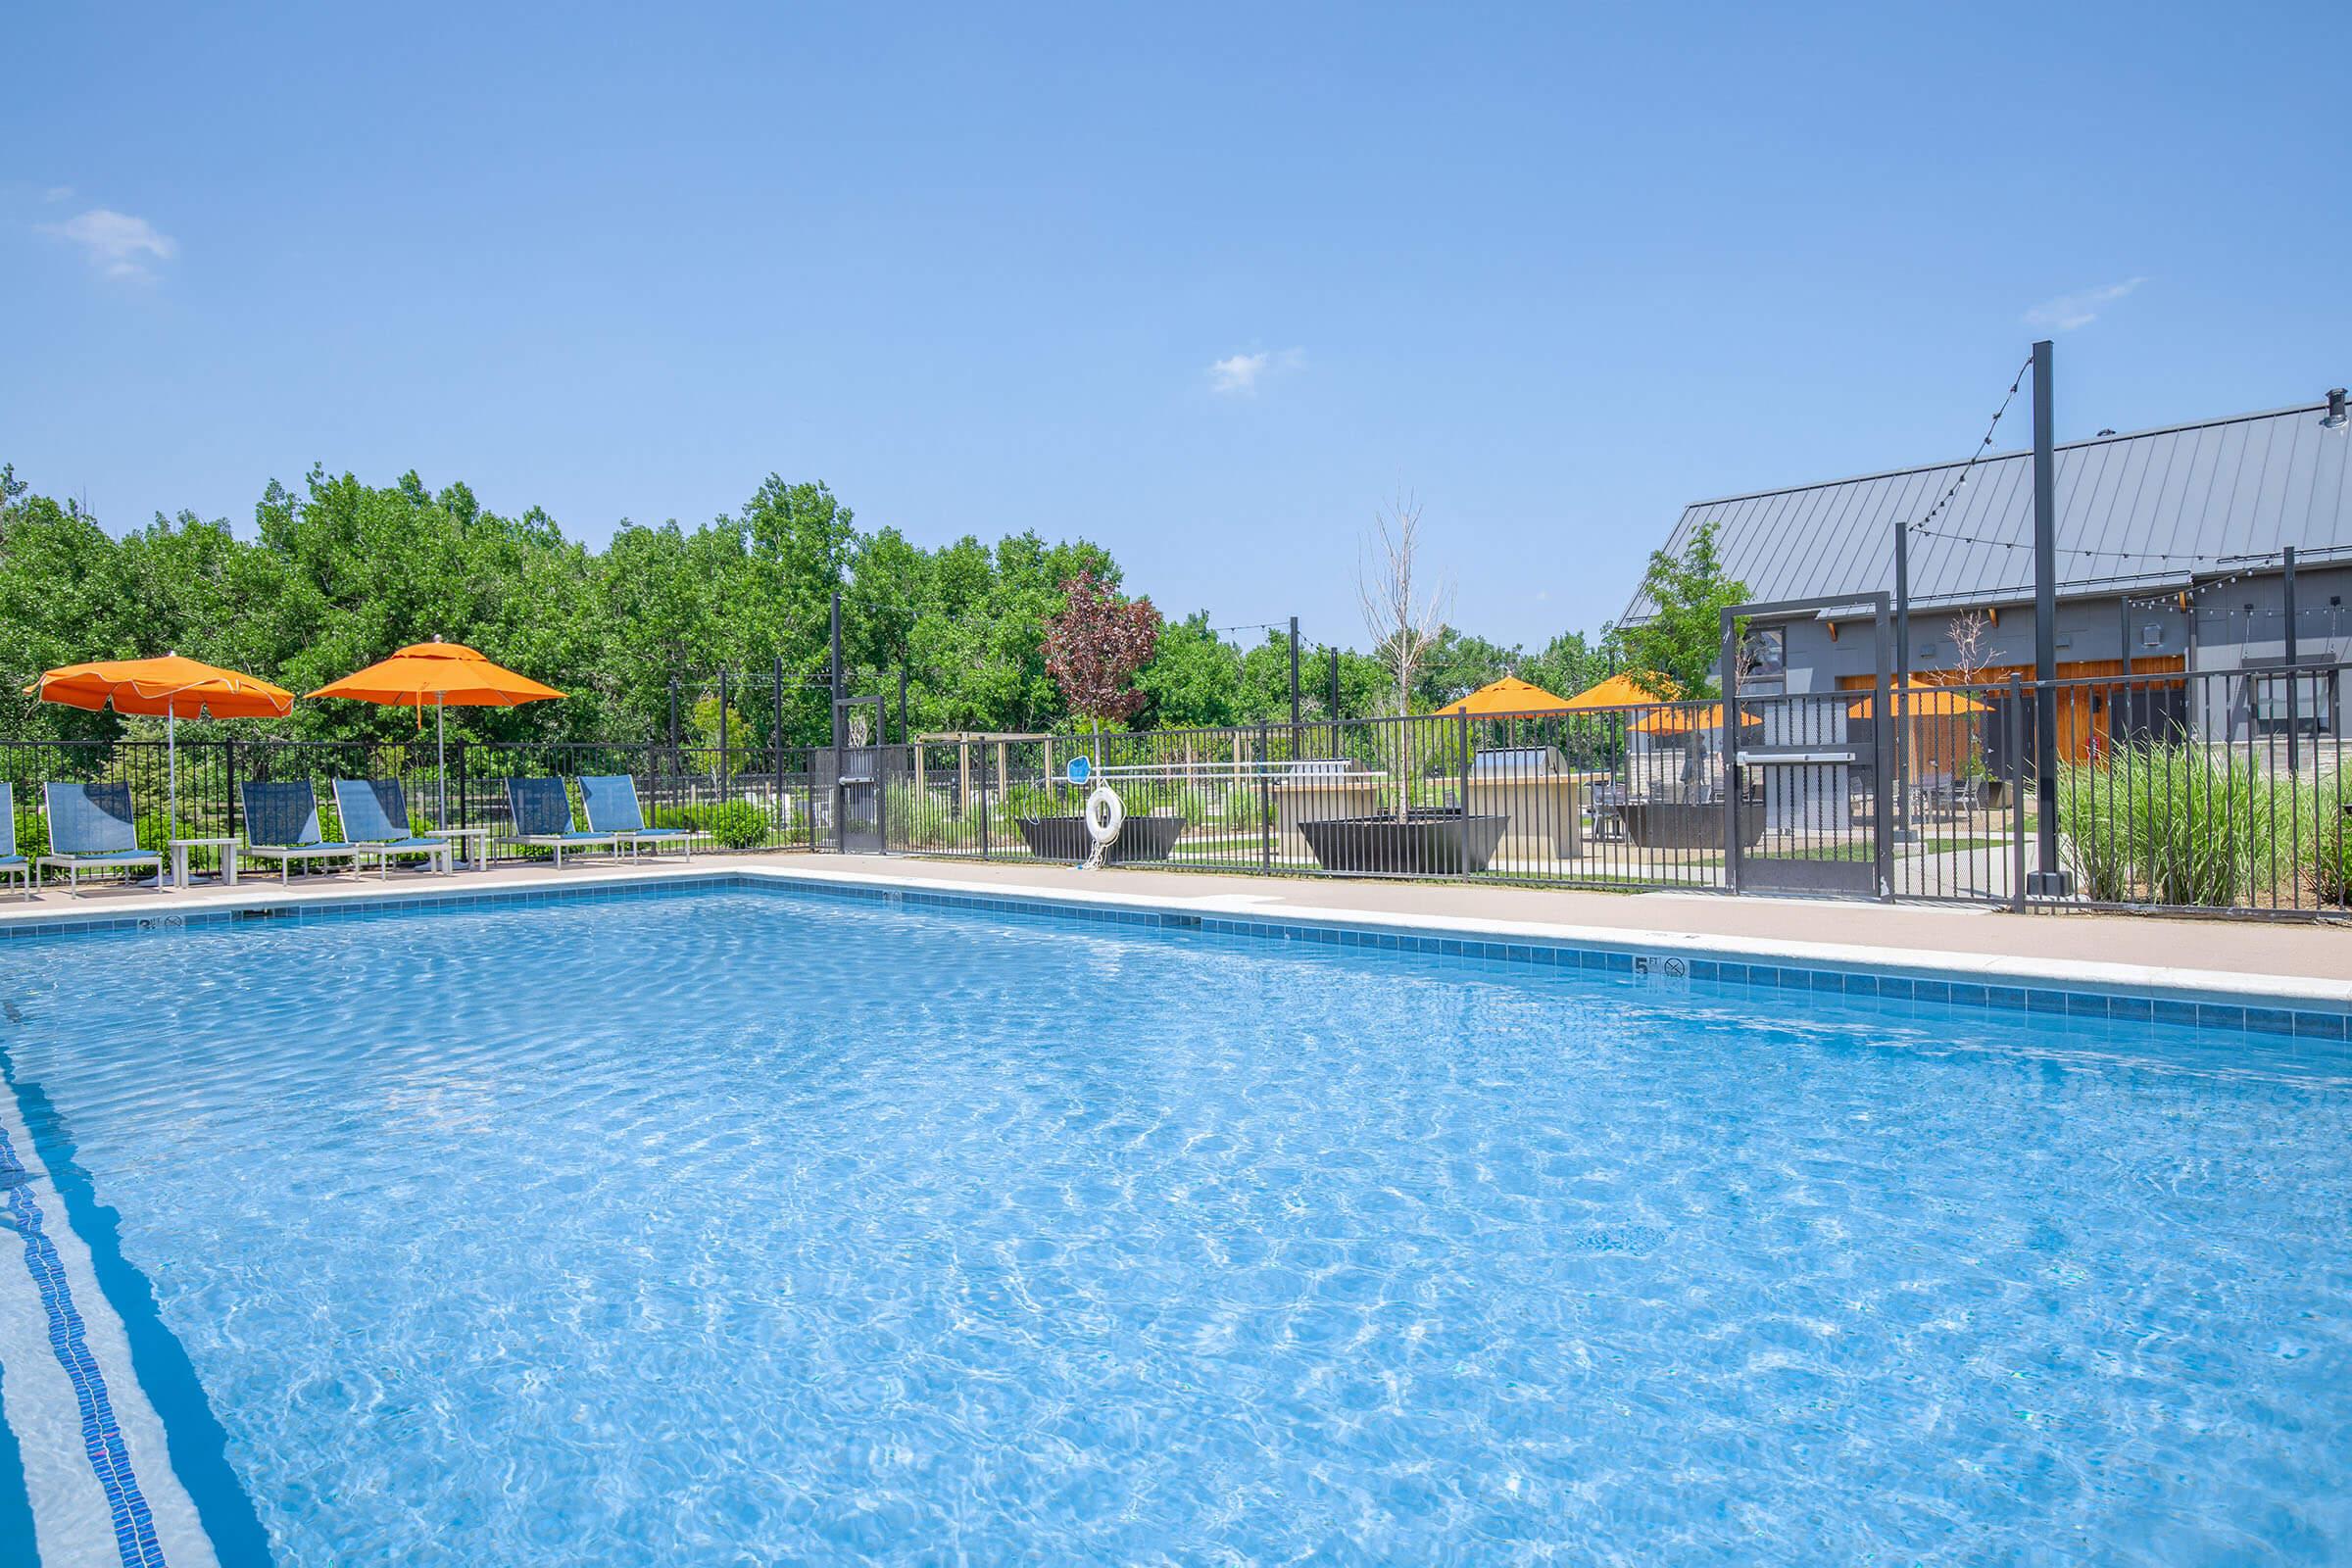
762	1228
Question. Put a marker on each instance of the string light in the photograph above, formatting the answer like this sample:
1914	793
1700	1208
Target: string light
1976	457
2081	552
2084	551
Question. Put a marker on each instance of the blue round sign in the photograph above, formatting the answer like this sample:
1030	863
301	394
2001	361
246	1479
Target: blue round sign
1081	769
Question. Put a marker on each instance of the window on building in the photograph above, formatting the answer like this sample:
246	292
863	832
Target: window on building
2315	704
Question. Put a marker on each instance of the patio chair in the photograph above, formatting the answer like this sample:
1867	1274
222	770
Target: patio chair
13	864
375	816
542	813
1937	796
1608	810
281	824
611	804
91	829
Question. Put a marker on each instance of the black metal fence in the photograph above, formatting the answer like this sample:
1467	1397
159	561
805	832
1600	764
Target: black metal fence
764	800
2214	792
1637	797
2218	792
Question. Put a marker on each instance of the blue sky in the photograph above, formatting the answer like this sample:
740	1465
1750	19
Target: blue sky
1203	284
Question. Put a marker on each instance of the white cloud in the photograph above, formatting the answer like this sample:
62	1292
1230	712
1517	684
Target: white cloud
1239	376
116	243
57	193
2079	309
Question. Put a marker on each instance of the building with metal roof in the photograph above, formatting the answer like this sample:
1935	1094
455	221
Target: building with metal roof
2171	552
2138	513
2171	556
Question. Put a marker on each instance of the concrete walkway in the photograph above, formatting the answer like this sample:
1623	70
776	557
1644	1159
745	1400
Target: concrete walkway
2294	959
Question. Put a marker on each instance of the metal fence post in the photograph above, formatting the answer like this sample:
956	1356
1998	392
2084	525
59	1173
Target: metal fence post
1462	762
2294	716
1265	806
2016	791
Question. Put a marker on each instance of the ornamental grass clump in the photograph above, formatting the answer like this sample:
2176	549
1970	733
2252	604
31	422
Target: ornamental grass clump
2177	824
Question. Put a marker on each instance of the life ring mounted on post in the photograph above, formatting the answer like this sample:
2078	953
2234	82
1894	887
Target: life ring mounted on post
1105	814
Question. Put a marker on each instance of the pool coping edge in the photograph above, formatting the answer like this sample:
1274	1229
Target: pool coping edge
2294	1005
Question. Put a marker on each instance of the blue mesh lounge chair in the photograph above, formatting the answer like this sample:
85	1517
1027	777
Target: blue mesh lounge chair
375	817
612	802
281	824
542	813
91	829
12	864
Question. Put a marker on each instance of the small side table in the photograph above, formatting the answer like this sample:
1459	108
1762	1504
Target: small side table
180	859
472	843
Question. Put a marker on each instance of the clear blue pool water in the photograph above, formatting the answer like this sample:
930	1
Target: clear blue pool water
762	1228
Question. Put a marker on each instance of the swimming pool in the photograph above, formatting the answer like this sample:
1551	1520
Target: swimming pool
759	1226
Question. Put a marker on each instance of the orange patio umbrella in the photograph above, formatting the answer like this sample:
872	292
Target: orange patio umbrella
1635	688
1685	720
1508	698
172	686
445	673
1923	700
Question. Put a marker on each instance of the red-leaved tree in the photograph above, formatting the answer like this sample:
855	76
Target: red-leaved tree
1096	645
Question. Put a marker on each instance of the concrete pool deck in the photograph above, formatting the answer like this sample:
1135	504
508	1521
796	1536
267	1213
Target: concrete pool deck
2311	963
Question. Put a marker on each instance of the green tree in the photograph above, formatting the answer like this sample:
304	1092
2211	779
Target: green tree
1572	662
1683	638
1193	680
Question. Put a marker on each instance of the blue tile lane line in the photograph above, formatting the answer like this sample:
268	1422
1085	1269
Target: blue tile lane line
194	1441
101	1439
2237	1014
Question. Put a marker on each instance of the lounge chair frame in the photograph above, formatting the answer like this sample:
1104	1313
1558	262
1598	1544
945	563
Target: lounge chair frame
305	843
12	864
97	804
534	812
611	800
369	794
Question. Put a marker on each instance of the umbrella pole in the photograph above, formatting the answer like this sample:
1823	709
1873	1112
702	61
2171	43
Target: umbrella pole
171	778
441	755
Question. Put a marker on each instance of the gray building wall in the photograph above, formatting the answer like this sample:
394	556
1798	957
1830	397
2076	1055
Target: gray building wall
2236	626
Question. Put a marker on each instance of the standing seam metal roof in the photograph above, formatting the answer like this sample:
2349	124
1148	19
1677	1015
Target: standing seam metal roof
2227	492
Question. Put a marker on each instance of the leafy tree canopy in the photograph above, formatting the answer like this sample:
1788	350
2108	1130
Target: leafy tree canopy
337	573
1684	637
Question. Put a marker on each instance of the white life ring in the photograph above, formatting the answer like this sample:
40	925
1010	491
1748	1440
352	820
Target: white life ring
1105	814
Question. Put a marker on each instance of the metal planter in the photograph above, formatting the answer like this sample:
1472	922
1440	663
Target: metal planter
1428	843
1671	825
1064	838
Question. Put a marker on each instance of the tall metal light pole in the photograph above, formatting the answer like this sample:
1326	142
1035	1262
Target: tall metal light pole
2048	880
1902	679
836	670
1294	712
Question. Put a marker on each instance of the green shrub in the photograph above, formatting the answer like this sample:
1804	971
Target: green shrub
2177	824
32	832
2329	855
1188	801
731	825
1036	800
736	824
920	818
1244	807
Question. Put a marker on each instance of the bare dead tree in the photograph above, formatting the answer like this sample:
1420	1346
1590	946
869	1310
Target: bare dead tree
1403	613
1969	653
